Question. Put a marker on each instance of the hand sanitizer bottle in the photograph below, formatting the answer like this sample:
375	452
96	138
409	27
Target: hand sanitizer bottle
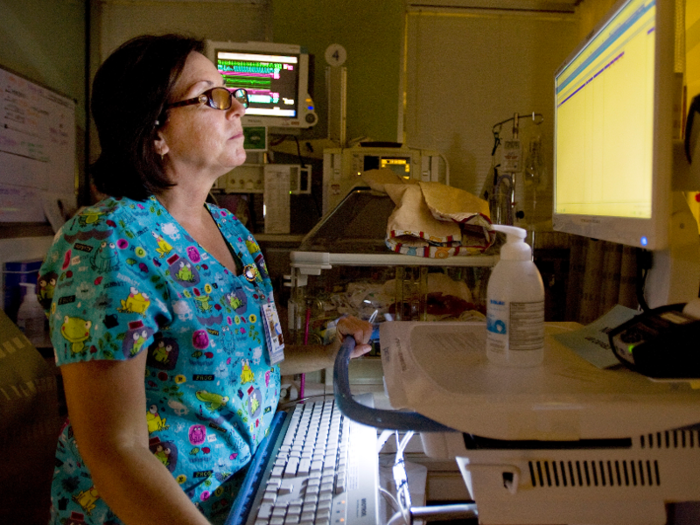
515	305
31	316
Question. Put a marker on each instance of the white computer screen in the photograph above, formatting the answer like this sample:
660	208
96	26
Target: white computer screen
613	126
605	120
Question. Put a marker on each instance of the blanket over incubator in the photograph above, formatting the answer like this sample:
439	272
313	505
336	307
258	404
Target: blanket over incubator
431	219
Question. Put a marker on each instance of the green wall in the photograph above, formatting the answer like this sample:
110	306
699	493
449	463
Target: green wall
371	32
44	40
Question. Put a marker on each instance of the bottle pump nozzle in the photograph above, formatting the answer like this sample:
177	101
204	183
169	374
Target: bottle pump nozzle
515	248
31	288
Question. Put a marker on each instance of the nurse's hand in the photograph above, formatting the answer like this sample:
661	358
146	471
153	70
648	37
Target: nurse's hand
360	330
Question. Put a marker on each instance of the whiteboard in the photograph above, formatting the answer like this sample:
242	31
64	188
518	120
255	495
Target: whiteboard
37	150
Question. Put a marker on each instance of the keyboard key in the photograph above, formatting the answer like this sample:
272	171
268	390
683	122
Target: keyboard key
314	479
291	468
340	485
265	510
304	466
323	517
287	486
273	483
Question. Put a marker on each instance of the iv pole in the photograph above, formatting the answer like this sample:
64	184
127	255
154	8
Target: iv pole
502	212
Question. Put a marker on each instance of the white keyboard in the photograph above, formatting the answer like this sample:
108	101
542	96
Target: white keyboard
325	471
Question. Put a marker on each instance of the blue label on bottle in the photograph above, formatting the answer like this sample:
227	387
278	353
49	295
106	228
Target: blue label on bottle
495	326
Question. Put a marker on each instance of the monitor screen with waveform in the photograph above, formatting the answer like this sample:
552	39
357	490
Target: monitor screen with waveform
272	80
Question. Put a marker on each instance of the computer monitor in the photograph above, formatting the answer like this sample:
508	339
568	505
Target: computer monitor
614	142
613	129
276	77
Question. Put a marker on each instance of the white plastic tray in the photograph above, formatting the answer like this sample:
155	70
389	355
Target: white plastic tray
440	370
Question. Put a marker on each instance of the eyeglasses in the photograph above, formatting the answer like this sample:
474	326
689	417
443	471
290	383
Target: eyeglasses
217	97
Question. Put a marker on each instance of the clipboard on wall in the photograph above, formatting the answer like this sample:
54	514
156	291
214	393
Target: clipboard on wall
37	152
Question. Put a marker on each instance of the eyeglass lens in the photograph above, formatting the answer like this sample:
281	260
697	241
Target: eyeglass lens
241	95
221	98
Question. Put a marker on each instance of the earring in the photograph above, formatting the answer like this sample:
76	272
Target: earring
162	157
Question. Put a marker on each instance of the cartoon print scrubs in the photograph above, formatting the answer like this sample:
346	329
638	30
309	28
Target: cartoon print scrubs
123	278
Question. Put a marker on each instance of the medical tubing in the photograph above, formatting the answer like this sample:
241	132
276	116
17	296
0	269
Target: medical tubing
378	418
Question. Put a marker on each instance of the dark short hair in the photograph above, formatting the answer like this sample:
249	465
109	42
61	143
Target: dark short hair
129	94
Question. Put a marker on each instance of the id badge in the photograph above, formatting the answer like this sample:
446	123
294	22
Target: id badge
273	333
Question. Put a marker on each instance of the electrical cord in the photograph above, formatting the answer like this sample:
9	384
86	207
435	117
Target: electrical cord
400	518
390	499
404	442
301	159
383	438
644	263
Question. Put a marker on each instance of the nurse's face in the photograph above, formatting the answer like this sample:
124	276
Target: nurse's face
198	140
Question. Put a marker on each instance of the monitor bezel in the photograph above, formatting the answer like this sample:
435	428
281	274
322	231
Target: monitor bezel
299	121
632	231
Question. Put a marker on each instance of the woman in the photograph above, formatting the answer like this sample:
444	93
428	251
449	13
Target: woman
151	281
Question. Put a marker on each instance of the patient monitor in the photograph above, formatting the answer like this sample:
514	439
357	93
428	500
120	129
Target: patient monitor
343	167
276	77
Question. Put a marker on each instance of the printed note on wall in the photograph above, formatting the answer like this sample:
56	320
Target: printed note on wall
37	149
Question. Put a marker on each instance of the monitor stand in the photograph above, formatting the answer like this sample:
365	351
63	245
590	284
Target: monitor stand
675	273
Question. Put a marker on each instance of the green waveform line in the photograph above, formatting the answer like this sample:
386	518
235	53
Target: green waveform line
248	83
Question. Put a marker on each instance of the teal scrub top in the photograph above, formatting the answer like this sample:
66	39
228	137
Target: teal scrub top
123	277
